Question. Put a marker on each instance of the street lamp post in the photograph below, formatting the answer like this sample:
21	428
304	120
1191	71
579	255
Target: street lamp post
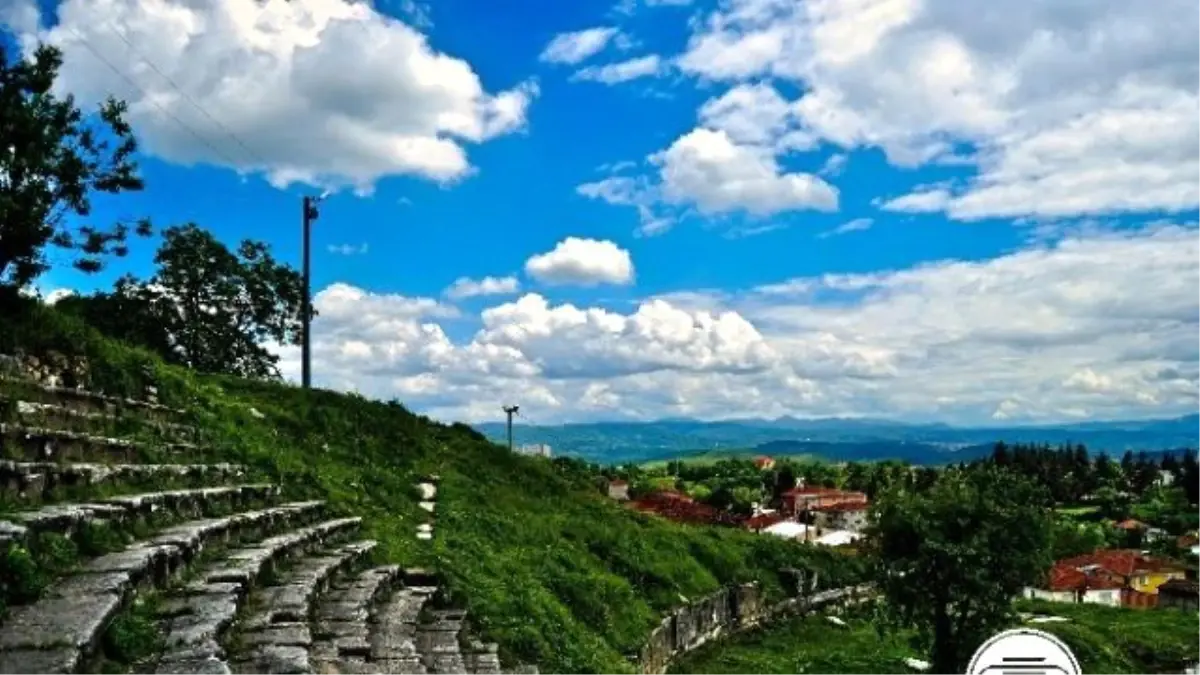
310	214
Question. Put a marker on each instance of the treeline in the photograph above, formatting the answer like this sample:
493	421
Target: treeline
1159	487
206	307
1072	475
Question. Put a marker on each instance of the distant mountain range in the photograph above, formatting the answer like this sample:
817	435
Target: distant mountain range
837	439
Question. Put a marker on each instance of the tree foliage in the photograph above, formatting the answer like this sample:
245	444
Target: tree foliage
52	160
206	307
950	559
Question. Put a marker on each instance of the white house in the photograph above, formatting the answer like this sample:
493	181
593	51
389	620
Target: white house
1099	596
790	529
845	516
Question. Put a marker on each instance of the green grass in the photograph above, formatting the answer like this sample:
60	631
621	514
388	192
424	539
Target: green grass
1117	640
809	644
1077	511
1104	639
549	568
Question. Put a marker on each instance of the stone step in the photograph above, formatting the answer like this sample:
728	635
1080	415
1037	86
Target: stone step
67	519
394	631
197	616
342	632
275	637
58	416
83	400
40	481
482	658
18	442
437	641
61	632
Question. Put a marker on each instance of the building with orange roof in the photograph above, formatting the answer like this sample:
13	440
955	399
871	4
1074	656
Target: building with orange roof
764	463
804	499
681	508
761	521
1118	577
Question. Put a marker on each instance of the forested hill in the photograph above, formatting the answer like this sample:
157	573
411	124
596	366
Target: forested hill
839	439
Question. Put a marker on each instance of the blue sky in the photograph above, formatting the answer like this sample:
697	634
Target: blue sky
746	207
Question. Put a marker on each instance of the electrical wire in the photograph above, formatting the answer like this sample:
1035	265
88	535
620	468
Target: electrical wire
146	97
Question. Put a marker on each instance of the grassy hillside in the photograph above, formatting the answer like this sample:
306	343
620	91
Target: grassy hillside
1104	639
548	566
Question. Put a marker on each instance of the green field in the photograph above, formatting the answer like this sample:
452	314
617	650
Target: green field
1077	511
1104	639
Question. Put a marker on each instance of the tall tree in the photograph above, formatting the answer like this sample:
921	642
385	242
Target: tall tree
220	307
785	479
950	559
53	158
206	307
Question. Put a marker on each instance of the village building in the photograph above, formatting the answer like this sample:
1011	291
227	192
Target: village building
681	508
1120	577
764	463
850	516
618	489
1180	594
802	499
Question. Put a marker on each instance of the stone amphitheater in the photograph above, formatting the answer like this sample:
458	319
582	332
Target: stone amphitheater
238	580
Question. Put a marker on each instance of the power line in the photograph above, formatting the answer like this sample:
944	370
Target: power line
146	97
120	33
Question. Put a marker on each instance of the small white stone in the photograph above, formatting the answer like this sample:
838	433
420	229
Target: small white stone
837	621
425	527
917	664
424	536
428	506
256	414
428	491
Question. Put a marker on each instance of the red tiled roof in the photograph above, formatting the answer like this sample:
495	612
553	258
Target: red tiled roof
763	520
823	494
1068	578
843	506
763	460
681	508
1122	562
1131	524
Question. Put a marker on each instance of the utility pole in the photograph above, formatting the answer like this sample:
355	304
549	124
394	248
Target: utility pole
510	410
310	214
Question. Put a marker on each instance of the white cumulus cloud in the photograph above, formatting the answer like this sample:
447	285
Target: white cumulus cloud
729	164
325	92
708	169
1098	325
1065	109
582	262
466	287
